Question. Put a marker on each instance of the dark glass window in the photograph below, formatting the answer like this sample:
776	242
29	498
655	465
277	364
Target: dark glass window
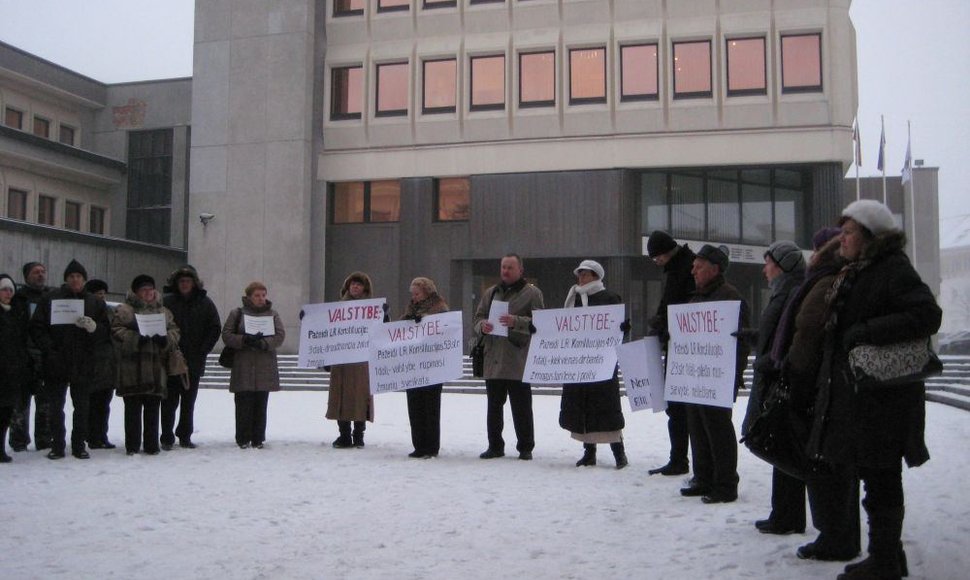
392	89
746	68
692	69
486	1
13	118
587	75
346	96
723	209
687	216
440	84
639	78
487	82
347	204
801	63
149	186
365	202
72	215
393	5
17	204
440	3
537	79
348	7
96	220
655	211
452	199
46	207
42	127
66	135
756	214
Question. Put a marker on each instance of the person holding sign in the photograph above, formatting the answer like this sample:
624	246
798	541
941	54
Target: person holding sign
66	326
14	361
349	399
32	291
424	403
255	331
145	334
713	442
505	357
591	412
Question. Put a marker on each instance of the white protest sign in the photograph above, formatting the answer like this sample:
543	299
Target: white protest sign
408	354
702	354
151	324
259	325
496	310
643	374
338	332
574	345
66	311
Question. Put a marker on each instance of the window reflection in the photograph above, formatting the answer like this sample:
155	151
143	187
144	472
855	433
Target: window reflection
346	101
391	5
439	86
453	199
537	79
392	89
348	202
348	7
638	72
587	75
488	82
801	63
746	66
692	69
385	201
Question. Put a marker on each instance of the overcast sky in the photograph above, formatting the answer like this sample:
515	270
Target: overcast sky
914	60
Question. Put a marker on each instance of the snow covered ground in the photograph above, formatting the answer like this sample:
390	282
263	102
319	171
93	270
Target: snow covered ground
300	509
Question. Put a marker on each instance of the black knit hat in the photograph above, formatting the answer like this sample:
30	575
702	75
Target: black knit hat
141	281
714	255
75	267
28	267
659	243
95	285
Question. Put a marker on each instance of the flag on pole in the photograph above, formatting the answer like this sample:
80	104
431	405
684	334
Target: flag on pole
881	162
907	172
858	142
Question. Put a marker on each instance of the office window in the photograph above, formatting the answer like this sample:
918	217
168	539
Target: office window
587	75
149	186
537	79
13	118
687	215
72	215
692	69
17	204
723	209
46	206
487	2
96	220
655	210
348	7
393	5
639	80
42	127
440	78
392	89
487	82
801	63
452	199
440	3
365	202
756	216
746	72
346	92
66	135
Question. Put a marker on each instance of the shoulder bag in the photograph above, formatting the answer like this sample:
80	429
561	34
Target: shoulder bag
894	364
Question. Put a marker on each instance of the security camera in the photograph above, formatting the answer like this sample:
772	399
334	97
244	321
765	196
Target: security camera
206	217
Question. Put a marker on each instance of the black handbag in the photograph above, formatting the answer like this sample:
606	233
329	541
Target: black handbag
894	364
779	436
478	358
226	357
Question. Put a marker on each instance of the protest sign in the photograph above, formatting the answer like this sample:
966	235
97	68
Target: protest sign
408	354
66	311
338	332
643	374
496	310
259	325
702	354
151	324
574	345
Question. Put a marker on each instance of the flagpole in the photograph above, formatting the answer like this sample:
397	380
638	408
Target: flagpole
857	153
882	149
912	188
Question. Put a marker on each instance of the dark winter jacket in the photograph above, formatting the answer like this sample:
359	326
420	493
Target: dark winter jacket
32	297
142	364
14	361
66	350
718	290
197	318
878	300
255	367
105	360
593	407
678	287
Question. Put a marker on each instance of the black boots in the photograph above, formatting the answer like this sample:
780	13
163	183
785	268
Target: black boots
886	560
4	458
358	434
344	441
589	456
619	453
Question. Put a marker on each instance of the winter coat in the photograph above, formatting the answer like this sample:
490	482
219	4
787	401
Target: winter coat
142	364
197	318
349	397
593	407
881	300
31	297
678	287
253	369
505	356
804	355
14	360
67	351
105	360
717	290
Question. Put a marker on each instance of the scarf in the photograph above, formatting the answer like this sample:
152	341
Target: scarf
583	292
785	330
841	288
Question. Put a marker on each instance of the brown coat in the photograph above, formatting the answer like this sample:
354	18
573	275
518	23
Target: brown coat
349	398
253	369
142	365
505	357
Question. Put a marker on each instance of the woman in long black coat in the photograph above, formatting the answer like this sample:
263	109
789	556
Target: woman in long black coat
13	355
877	298
591	411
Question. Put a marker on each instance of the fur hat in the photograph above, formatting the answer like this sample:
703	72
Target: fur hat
787	255
592	266
28	267
186	271
870	214
95	285
714	255
822	236
7	282
75	267
141	281
659	243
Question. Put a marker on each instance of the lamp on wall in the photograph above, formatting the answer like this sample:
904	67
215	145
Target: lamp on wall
206	217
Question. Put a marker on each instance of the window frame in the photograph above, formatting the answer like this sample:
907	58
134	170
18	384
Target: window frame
335	116
41	119
377	90
426	110
436	216
708	94
537	104
471	83
785	90
727	67
395	8
102	219
366	216
11	191
624	98
606	89
60	134
7	109
41	200
434	4
338	13
77	207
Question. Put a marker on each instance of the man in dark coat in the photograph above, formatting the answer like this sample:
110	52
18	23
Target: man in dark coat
34	288
678	286
105	377
198	320
68	352
713	442
13	355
